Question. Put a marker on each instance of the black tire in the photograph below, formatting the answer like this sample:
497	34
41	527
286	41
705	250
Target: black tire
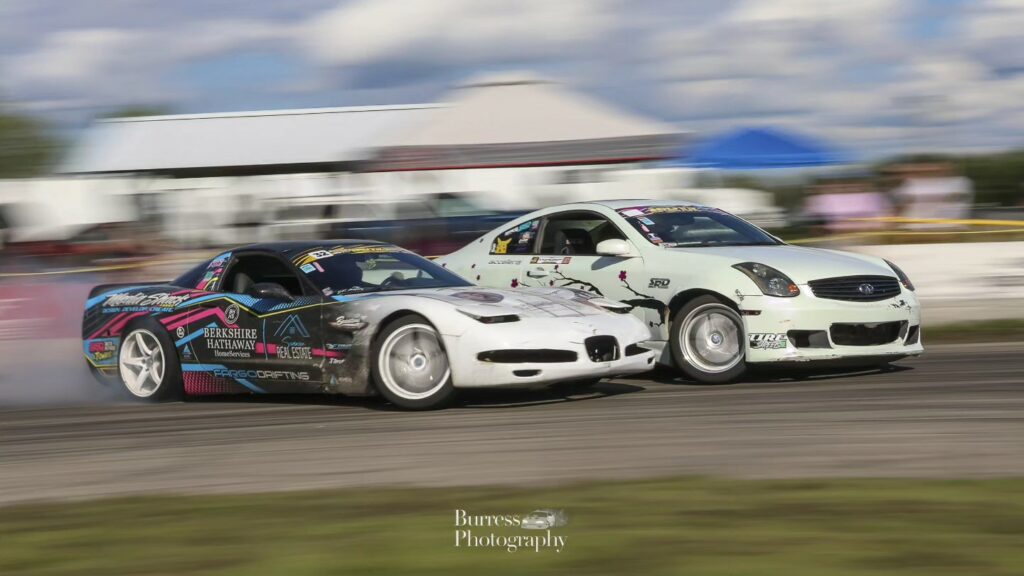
170	386
387	372
691	364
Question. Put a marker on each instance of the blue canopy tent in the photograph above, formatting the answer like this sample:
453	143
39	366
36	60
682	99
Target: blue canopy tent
760	149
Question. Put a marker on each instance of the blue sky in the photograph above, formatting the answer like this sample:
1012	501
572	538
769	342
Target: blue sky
878	76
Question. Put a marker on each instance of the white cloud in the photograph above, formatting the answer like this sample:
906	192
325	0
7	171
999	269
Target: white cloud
873	71
368	31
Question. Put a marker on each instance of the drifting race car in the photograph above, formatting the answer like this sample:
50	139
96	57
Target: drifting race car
717	292
349	317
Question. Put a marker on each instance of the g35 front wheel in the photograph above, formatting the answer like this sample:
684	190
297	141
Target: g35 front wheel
707	341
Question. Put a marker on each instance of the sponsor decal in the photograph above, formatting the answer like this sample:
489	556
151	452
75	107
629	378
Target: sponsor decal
550	259
220	260
318	267
307	268
337	346
261	374
318	254
231	313
654	238
180	332
335	361
291	330
230	342
101	350
504	262
768	341
346	324
641	212
658	283
295	352
143	300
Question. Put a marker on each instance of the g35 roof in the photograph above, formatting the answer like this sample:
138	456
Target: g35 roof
299	246
629	203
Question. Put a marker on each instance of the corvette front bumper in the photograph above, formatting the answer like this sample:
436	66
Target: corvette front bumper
541	351
807	328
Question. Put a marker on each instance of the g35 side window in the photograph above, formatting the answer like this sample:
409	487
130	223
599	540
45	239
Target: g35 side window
517	240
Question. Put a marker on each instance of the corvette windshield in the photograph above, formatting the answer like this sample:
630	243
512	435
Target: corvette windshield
686	226
373	268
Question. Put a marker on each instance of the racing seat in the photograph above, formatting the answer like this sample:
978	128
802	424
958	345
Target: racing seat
347	275
571	241
241	283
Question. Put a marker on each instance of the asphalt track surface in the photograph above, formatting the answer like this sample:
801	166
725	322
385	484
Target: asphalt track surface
956	412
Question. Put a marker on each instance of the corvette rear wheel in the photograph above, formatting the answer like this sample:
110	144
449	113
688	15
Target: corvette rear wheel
707	341
410	365
148	364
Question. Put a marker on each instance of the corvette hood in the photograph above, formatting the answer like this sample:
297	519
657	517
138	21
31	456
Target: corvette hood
523	302
799	263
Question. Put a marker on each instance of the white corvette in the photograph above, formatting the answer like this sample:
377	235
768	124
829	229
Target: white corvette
717	292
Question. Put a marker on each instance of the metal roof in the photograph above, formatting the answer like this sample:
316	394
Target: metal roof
281	137
522	122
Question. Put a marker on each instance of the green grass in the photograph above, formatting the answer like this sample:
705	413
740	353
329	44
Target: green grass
697	526
1008	330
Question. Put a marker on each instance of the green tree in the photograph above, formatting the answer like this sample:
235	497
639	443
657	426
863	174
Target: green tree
26	146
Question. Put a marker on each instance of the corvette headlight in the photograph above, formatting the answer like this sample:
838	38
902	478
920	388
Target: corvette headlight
490	319
769	280
904	279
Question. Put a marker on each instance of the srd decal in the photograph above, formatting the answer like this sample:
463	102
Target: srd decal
659	283
768	341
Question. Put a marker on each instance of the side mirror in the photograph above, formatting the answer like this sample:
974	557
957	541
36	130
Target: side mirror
270	291
615	247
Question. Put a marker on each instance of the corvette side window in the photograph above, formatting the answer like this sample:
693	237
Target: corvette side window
256	269
517	240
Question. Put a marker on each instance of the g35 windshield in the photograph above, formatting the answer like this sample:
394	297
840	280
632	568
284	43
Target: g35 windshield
373	268
685	226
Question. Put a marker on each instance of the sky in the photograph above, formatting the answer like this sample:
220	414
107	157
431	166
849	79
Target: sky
875	76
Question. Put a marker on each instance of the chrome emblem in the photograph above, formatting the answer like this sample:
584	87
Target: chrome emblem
866	289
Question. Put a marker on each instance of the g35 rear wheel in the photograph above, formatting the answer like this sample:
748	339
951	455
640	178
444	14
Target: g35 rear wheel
410	365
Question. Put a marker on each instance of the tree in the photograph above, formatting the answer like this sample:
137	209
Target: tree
26	147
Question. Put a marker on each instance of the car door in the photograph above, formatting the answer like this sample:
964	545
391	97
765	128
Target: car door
566	255
501	266
273	342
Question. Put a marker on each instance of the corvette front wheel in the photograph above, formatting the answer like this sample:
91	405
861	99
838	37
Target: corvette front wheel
410	365
148	364
707	341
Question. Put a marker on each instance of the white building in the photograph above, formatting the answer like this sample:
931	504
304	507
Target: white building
500	143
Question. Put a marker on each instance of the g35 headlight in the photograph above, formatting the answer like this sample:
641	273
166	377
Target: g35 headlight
769	280
902	277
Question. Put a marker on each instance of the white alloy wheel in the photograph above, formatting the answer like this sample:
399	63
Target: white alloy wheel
142	363
711	338
412	362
